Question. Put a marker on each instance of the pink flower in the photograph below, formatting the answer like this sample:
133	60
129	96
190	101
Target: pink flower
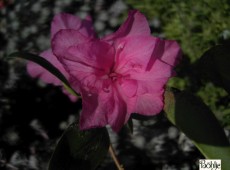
120	74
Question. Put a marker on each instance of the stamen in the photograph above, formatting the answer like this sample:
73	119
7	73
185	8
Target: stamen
106	90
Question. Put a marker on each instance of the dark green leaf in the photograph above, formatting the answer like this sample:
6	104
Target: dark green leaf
80	150
45	64
215	66
196	120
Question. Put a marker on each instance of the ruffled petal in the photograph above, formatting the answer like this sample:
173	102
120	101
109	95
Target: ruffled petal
89	63
157	53
103	108
172	53
149	104
64	39
92	114
150	88
145	62
134	53
129	87
68	21
97	55
128	96
159	70
97	109
119	115
135	24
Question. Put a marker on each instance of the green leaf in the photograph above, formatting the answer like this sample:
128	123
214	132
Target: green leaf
80	150
215	66
197	121
45	64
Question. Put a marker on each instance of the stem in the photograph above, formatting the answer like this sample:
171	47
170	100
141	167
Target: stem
113	155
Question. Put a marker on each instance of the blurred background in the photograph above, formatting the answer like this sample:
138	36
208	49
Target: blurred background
33	115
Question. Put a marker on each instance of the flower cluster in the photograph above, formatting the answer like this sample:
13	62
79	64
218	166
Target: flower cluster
117	75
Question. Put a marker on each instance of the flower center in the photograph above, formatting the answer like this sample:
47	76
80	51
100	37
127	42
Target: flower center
109	79
114	76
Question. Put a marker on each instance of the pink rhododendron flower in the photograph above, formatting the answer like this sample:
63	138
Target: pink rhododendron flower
120	74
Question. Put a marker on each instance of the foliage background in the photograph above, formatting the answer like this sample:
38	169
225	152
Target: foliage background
28	136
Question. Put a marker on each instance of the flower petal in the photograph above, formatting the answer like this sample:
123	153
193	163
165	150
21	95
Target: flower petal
64	39
89	63
172	53
129	87
92	114
102	109
159	70
135	24
96	54
157	52
151	84
134	53
68	21
119	115
149	104
36	70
